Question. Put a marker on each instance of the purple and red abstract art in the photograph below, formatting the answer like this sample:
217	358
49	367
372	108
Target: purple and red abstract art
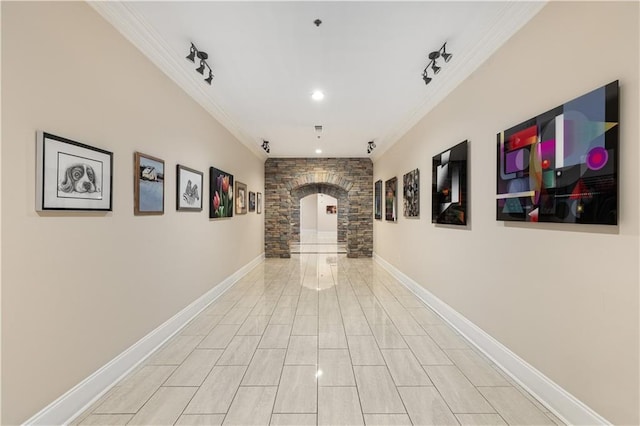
561	166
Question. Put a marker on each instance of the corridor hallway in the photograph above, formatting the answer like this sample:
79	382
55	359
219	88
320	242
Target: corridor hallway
317	339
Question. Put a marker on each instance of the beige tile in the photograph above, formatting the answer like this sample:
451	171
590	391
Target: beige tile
405	368
339	406
377	391
445	337
376	316
305	326
480	419
426	350
478	371
217	391
288	301
239	351
236	316
201	325
331	336
219	337
514	407
200	420
457	390
356	326
275	337
306	307
134	391
387	336
293	420
264	307
254	326
283	316
426	407
387	420
410	302
251	406
218	308
407	326
335	365
364	350
164	407
195	368
107	419
175	351
265	368
303	350
298	390
425	316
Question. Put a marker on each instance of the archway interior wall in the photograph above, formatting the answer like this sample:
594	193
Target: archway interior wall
285	180
319	188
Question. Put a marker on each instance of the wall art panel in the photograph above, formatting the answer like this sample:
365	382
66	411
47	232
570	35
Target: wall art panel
449	193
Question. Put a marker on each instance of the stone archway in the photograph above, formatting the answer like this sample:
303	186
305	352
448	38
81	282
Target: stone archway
287	178
320	188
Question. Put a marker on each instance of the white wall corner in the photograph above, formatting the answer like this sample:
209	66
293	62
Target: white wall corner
560	402
75	401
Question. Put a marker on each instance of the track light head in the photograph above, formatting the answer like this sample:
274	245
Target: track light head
435	68
192	53
200	69
208	79
426	78
446	56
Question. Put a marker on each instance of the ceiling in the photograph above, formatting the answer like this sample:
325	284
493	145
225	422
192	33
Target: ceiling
367	57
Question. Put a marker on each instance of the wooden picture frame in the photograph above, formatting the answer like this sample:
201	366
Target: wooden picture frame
241	198
259	202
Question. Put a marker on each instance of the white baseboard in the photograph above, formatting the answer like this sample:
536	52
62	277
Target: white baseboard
80	397
560	402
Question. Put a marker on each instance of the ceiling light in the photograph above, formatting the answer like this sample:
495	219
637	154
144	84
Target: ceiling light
370	147
193	52
318	151
433	57
265	146
317	95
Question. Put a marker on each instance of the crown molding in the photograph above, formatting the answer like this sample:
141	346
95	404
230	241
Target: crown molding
142	35
512	17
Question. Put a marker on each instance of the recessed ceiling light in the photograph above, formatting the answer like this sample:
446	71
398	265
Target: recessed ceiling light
318	151
317	95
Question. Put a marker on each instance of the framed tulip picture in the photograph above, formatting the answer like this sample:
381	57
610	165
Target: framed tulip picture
220	194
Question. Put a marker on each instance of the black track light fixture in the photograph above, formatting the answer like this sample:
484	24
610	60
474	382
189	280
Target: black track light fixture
265	146
203	56
370	147
433	57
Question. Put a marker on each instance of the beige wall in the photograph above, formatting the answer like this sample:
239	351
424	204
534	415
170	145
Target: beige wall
78	289
563	297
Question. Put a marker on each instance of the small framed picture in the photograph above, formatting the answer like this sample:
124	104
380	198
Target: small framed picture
148	185
259	202
241	198
189	189
71	175
252	201
332	209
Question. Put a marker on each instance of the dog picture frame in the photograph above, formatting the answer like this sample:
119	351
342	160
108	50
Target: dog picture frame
241	198
71	175
188	189
259	202
148	188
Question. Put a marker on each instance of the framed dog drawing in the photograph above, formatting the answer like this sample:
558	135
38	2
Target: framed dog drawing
148	185
71	175
241	198
189	189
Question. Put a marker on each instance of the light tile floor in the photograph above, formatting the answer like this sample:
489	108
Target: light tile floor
317	340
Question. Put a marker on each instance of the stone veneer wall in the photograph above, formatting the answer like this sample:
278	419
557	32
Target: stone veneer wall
285	181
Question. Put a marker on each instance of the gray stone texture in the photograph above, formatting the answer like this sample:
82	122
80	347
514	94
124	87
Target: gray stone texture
287	180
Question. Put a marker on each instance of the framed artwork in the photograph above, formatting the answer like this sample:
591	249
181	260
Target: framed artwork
259	202
332	209
71	175
449	190
188	189
220	194
241	198
377	200
252	201
562	166
391	199
148	185
411	191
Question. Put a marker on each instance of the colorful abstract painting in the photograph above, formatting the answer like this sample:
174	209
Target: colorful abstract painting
411	192
449	194
562	166
391	199
378	200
